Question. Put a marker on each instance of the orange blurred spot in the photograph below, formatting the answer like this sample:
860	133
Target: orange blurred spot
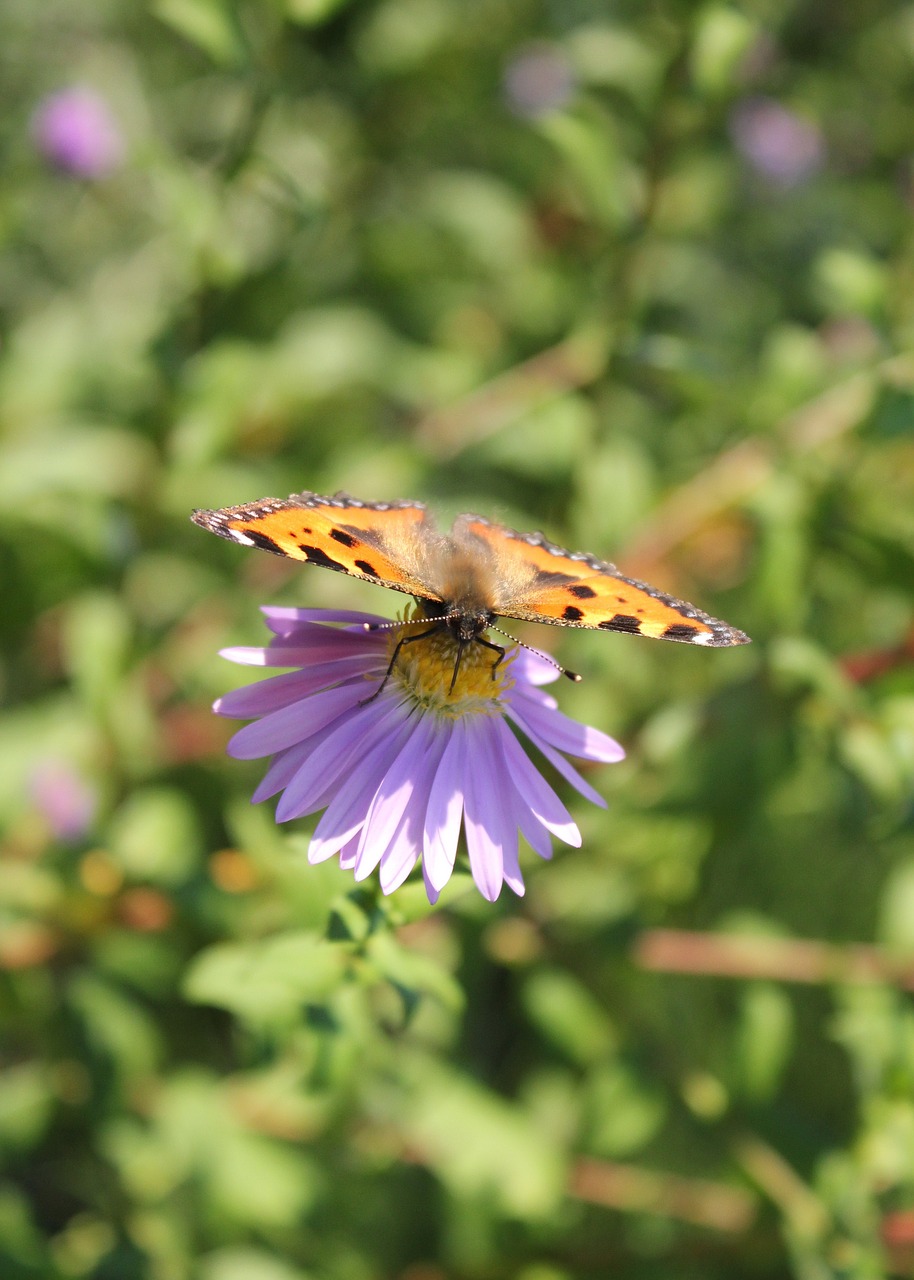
99	874
25	944
190	733
146	910
898	1228
513	941
898	1240
233	871
863	667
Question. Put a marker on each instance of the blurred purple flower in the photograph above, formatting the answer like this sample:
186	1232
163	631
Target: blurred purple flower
75	131
398	775
63	798
538	79
780	145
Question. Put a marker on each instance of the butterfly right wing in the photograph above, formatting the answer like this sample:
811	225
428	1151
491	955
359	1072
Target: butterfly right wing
536	581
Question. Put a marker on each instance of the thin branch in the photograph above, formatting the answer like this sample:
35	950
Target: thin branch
632	1189
775	959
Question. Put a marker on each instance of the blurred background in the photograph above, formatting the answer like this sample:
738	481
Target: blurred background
639	274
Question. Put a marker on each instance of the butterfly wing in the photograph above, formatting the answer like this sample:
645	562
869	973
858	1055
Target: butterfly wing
536	581
382	542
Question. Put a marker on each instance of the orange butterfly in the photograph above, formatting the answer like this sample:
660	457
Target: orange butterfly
469	577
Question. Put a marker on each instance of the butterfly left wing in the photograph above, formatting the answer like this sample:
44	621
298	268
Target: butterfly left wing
536	581
382	542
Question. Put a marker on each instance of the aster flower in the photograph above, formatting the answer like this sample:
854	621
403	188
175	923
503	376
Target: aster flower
75	131
63	798
538	79
400	765
780	145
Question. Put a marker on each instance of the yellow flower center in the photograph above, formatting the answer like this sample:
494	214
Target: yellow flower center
425	669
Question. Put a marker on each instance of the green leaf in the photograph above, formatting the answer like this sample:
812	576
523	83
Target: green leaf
258	1182
209	24
722	38
154	836
764	1039
413	973
26	1104
267	981
97	637
482	1146
239	1263
621	1115
896	917
399	34
116	1027
312	13
616	56
22	1244
850	281
82	460
568	1015
610	186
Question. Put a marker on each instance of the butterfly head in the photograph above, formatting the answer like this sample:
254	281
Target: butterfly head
465	622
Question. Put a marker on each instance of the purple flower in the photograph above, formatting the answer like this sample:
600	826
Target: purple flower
780	145
538	79
400	773
75	131
63	798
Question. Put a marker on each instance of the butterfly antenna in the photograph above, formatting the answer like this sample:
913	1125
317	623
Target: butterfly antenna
389	626
571	675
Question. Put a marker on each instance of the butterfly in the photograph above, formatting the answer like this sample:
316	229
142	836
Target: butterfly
467	578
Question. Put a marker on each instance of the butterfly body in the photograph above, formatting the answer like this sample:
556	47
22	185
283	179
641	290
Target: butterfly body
466	579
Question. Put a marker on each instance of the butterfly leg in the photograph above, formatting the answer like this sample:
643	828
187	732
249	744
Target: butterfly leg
497	648
393	661
462	644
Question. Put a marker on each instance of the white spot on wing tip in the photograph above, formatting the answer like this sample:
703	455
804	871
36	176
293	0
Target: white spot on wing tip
242	538
704	637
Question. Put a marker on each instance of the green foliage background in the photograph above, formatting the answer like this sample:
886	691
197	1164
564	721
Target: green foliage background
338	255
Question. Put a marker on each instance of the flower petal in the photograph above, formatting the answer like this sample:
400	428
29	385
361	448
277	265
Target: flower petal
569	735
279	691
431	892
283	619
283	728
283	768
484	819
303	649
531	828
348	854
559	763
355	733
348	809
535	791
532	667
399	859
410	773
445	809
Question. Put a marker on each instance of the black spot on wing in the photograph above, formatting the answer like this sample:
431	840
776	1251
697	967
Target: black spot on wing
680	631
263	540
622	622
364	567
316	556
345	538
572	613
544	580
582	592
